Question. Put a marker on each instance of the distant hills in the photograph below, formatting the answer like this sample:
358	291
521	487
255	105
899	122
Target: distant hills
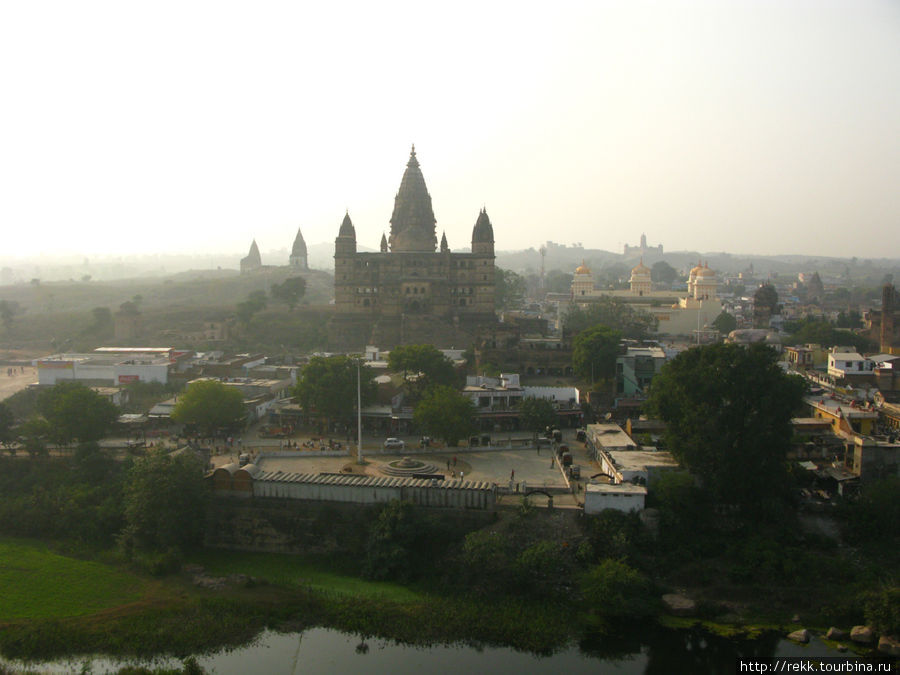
558	257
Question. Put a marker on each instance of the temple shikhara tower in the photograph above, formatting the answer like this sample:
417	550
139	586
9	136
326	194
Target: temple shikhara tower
412	290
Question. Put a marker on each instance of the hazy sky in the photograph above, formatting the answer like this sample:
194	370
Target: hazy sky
750	127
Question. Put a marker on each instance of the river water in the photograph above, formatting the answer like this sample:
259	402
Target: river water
322	650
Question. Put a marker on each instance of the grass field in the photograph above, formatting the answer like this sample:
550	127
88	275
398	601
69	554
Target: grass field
294	572
40	584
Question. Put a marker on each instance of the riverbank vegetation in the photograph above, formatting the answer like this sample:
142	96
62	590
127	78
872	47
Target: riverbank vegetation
531	578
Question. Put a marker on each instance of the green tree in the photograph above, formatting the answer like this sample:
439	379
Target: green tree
289	291
536	414
765	305
8	310
102	318
391	550
724	323
445	413
850	319
76	413
728	413
615	590
7	419
814	331
422	366
509	289
165	498
557	281
663	273
327	387
210	406
255	302
594	352
34	435
632	323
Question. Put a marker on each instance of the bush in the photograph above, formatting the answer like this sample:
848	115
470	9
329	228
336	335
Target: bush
882	610
613	589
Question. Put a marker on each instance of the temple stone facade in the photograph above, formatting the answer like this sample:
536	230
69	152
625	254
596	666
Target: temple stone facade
413	289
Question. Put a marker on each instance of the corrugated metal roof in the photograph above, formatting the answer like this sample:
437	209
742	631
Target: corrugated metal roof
370	481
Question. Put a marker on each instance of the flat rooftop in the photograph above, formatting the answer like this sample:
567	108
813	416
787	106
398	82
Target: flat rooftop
609	436
640	460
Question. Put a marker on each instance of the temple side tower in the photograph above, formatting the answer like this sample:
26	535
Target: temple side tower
298	257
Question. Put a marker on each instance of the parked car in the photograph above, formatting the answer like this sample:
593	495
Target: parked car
393	444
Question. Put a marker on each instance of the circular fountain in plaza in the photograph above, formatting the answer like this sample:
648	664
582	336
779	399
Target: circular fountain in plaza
407	467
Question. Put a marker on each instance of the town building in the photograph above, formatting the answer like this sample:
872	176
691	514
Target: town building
643	249
412	290
625	497
109	366
850	367
688	313
636	368
497	400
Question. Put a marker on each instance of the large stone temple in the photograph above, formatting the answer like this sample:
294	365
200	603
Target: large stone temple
412	290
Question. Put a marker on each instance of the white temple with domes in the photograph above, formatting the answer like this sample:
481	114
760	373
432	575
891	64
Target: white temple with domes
678	313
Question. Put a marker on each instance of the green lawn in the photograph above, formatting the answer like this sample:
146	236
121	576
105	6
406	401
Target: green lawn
40	584
294	571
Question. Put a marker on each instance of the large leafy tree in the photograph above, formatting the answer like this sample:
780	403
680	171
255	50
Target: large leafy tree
724	323
327	387
663	273
536	414
34	434
422	366
445	413
509	289
165	497
633	323
594	352
289	291
210	406
813	331
255	302
8	309
76	413
728	414
6	423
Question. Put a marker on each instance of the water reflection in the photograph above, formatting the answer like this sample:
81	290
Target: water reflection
630	650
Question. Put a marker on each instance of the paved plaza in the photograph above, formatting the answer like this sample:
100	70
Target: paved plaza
515	469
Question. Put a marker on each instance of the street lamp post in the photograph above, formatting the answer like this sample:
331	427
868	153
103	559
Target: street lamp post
359	456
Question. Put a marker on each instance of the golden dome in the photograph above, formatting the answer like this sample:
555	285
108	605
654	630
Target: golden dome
582	268
705	271
641	268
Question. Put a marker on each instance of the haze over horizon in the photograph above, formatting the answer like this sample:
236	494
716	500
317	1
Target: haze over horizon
747	127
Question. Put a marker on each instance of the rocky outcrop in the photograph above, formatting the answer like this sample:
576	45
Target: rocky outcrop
679	605
862	635
801	636
836	634
889	645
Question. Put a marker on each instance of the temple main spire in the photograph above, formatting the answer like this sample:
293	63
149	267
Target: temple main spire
413	221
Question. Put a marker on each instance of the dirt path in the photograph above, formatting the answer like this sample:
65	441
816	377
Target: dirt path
18	381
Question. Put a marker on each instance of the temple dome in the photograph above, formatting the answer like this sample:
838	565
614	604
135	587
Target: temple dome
640	269
413	221
347	229
483	230
299	248
582	268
